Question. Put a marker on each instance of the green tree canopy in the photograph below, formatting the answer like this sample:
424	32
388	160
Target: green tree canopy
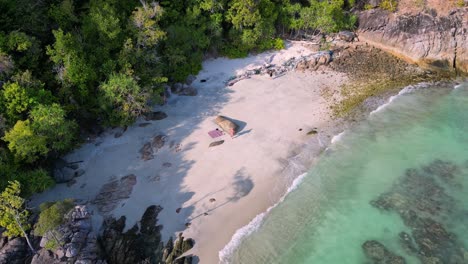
123	99
47	130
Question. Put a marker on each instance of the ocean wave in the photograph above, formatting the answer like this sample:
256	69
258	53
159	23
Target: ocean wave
407	90
337	138
226	253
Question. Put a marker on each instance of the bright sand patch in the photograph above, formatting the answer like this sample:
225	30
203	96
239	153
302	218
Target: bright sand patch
245	175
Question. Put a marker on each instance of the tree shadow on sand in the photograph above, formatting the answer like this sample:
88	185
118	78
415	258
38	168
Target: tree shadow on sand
241	186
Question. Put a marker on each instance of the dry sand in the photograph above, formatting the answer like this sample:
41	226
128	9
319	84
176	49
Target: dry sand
245	175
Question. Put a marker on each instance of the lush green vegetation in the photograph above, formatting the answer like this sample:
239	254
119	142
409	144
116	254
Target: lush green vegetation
68	65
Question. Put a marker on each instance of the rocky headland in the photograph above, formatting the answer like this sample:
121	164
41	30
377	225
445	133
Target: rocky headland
427	37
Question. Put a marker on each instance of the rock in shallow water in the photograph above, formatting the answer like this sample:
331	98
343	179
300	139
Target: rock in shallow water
423	204
379	254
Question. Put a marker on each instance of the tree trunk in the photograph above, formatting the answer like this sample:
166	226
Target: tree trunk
25	236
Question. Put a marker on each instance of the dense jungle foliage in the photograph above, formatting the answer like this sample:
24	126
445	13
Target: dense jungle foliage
69	65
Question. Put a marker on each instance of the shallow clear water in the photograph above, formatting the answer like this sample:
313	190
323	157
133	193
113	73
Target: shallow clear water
329	216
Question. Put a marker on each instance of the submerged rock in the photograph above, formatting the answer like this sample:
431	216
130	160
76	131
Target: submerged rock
423	204
379	254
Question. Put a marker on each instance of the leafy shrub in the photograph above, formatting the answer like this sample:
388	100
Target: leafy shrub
52	216
390	5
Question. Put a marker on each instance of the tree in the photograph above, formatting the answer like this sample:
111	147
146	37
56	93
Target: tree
123	99
46	130
25	145
73	71
49	121
13	214
15	101
52	216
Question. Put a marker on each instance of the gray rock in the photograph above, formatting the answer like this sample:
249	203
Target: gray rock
216	143
112	193
177	88
64	174
347	36
45	256
72	250
14	251
154	116
189	91
190	79
79	172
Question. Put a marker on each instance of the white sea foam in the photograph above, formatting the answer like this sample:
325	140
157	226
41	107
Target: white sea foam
225	254
406	90
461	85
337	138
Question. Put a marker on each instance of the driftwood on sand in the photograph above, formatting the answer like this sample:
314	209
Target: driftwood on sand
227	125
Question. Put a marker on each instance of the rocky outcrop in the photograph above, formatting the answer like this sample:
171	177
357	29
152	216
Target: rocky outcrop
77	243
431	41
112	193
141	243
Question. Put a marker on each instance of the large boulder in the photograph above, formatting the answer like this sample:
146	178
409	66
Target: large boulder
157	115
13	251
227	125
347	36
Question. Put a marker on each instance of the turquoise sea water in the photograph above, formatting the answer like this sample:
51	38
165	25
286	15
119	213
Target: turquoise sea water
329	216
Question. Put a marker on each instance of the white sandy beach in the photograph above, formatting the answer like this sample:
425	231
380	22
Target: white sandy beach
245	175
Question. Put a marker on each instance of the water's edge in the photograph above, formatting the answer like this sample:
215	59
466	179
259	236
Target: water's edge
345	125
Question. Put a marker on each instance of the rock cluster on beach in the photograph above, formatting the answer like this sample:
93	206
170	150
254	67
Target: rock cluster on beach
78	243
421	199
77	239
301	63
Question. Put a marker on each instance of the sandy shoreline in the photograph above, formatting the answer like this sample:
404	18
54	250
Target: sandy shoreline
245	175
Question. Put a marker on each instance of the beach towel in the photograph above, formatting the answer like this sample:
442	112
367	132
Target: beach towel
215	133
